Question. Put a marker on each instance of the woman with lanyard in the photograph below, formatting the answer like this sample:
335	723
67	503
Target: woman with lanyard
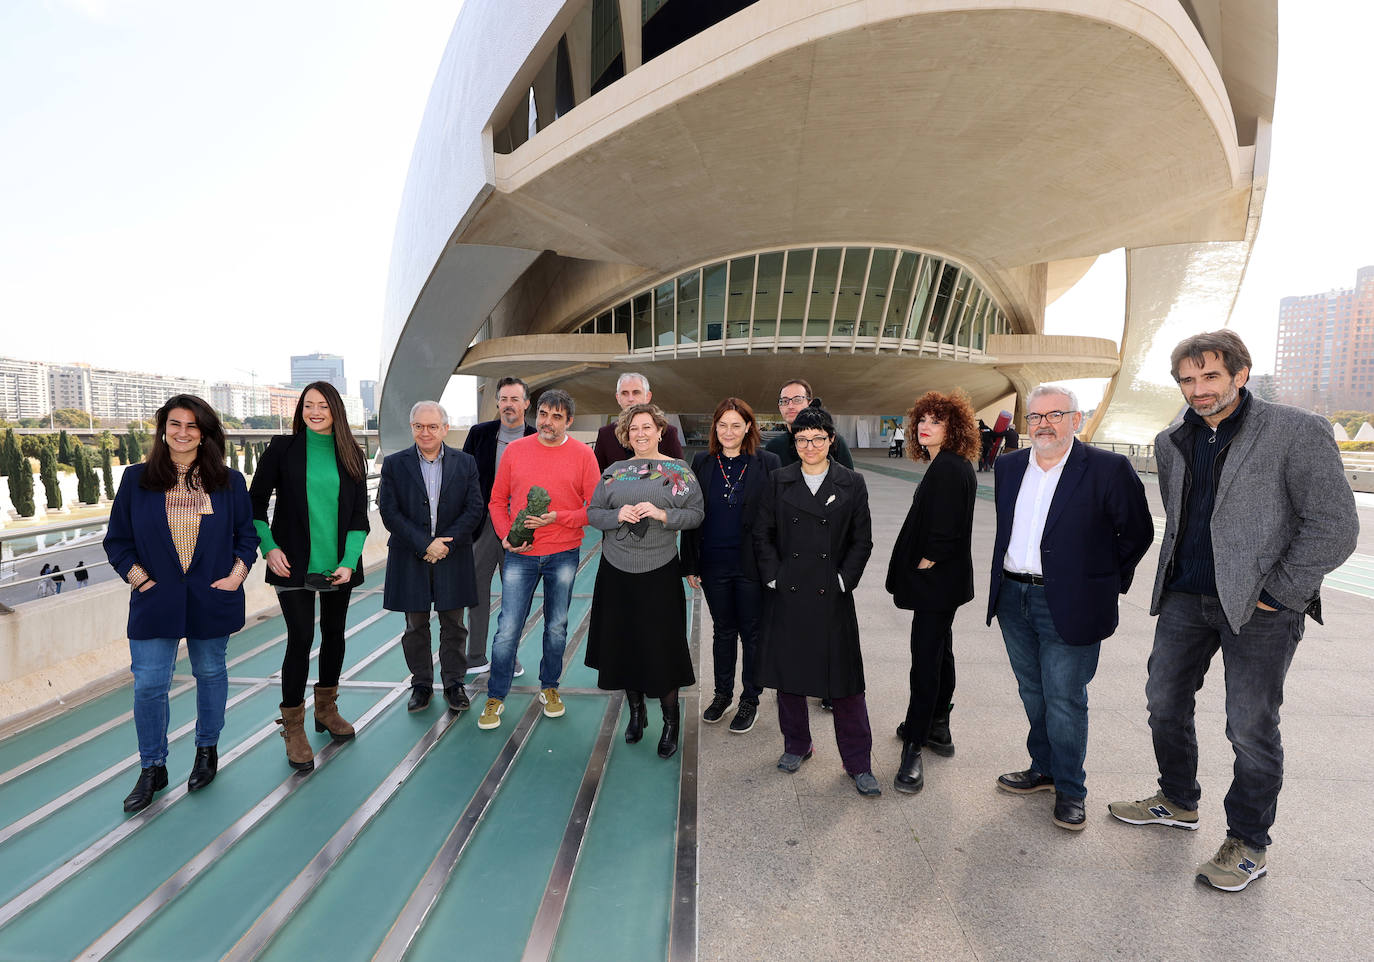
718	557
181	534
313	545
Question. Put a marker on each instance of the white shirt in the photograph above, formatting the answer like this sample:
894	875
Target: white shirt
1032	507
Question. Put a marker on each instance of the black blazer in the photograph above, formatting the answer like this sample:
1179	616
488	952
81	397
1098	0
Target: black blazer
939	526
1097	530
761	464
282	469
481	444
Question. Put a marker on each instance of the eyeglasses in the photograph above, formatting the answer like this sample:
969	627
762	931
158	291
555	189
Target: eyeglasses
795	399
1053	417
819	442
426	428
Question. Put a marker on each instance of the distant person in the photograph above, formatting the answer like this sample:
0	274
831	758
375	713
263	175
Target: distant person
487	442
898	442
631	389
718	556
794	396
81	574
181	534
58	578
566	469
931	572
1072	524
1011	440
1257	512
313	545
638	635
986	438
813	538
45	587
431	503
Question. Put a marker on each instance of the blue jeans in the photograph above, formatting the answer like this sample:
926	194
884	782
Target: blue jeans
735	602
152	661
1188	633
1052	677
520	575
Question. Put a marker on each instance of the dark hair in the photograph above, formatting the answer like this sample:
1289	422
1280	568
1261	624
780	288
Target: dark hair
557	400
954	411
208	471
508	381
813	418
1225	344
345	447
750	444
797	380
622	424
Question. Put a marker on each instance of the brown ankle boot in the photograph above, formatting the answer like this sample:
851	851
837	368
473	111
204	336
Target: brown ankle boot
327	717
298	753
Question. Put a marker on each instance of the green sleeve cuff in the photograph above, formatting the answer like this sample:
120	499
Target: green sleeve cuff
265	536
353	549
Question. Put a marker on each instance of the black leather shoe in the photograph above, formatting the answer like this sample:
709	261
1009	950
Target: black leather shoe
1068	812
1023	783
634	729
419	699
150	781
667	743
910	778
204	768
457	698
940	741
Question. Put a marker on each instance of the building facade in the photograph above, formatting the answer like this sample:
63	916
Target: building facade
24	391
241	400
1325	359
880	198
306	368
367	390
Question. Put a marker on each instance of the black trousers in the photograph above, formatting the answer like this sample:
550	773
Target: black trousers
298	609
932	671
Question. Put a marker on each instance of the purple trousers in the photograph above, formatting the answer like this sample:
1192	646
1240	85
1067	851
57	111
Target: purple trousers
852	734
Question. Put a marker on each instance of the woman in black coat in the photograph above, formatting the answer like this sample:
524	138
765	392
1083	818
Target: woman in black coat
813	537
313	545
931	571
718	556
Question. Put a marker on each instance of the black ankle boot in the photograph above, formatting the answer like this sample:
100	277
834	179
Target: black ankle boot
204	767
910	779
940	741
672	718
150	781
634	731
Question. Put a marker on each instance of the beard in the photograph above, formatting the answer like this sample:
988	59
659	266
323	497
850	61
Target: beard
1224	400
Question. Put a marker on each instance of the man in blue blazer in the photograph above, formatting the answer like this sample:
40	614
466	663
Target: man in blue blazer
1072	523
487	442
432	504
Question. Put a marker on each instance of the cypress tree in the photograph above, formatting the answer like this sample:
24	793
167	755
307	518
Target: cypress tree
107	472
47	467
135	446
64	448
233	455
10	454
87	485
21	489
248	458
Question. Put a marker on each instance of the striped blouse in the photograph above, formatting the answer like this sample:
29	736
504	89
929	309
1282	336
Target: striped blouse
185	507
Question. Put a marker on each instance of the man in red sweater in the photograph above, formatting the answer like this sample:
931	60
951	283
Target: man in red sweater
566	469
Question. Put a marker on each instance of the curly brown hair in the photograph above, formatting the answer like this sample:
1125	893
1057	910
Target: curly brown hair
622	425
955	412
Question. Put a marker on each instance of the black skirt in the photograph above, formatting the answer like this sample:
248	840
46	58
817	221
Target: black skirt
638	635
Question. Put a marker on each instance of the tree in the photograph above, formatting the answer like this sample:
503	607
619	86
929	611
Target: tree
21	489
47	469
71	418
229	421
135	449
64	448
10	454
107	472
87	484
248	458
233	455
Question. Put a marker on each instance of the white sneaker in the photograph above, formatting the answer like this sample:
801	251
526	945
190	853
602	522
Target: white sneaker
481	669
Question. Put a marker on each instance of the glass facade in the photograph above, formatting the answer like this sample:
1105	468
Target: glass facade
830	298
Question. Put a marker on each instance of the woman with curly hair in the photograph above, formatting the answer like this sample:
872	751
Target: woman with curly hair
638	635
931	571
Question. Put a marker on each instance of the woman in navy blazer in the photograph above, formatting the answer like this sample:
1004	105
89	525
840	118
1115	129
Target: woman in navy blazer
931	571
181	533
718	556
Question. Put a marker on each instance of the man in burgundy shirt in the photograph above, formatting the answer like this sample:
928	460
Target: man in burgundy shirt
631	389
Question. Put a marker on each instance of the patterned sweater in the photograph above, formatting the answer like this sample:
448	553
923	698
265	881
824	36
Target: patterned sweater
650	544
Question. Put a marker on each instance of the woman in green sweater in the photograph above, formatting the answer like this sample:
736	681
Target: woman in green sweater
313	545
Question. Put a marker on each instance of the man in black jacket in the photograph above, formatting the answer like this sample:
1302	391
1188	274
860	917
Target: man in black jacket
487	442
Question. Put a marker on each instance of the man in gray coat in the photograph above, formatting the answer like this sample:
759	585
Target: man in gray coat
432	504
1258	511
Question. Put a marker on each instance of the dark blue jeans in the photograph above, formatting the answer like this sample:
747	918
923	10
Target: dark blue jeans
522	574
152	661
1188	633
1052	677
735	602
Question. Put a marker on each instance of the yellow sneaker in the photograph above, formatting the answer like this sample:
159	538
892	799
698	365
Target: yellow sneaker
491	714
553	705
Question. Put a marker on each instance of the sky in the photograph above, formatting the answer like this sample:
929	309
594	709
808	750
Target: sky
205	190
